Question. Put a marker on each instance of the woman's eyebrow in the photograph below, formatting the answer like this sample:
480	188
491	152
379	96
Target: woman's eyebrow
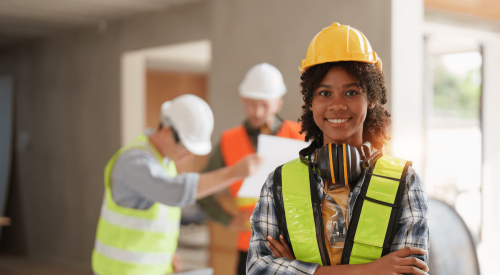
324	86
351	85
343	86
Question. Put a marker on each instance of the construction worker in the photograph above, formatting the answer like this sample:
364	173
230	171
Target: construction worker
139	224
341	207
261	92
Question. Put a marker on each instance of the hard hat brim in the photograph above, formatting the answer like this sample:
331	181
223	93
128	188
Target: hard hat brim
377	62
197	148
261	96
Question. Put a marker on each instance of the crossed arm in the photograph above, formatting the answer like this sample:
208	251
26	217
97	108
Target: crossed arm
396	262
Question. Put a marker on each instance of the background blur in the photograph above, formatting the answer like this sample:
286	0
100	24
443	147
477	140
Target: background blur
80	78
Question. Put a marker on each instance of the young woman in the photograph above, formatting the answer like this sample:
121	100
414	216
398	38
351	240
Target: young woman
343	207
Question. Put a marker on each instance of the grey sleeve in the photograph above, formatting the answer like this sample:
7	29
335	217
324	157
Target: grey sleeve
141	172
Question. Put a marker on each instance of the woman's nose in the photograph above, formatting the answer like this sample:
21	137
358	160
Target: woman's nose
337	104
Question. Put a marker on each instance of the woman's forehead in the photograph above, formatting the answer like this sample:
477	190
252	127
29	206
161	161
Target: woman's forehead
338	78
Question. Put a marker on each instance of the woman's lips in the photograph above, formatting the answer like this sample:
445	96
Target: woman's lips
337	122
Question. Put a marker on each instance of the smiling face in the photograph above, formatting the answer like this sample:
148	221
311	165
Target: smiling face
339	108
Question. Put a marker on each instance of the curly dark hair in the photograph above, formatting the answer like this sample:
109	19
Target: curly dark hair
371	79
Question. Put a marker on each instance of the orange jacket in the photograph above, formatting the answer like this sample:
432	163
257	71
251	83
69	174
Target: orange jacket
235	145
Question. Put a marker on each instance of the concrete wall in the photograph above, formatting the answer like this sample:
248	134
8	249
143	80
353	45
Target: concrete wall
67	100
245	33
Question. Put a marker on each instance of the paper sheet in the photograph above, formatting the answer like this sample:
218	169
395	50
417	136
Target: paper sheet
276	151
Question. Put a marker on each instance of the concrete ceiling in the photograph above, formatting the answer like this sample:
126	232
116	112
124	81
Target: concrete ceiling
23	19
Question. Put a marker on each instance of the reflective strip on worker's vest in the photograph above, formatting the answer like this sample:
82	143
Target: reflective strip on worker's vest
161	224
374	219
298	211
134	241
132	256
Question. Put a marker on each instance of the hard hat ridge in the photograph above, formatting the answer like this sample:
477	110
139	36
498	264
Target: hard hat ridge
339	43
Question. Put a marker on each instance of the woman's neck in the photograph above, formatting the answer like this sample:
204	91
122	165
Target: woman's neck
352	142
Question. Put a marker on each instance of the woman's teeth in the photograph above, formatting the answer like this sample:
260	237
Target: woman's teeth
338	120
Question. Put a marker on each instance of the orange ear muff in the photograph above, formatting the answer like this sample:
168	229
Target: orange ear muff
345	163
338	164
332	173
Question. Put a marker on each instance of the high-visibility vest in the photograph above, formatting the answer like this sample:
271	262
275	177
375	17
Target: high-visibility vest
134	241
374	219
235	145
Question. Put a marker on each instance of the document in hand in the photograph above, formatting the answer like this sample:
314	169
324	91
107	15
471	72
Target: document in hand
276	151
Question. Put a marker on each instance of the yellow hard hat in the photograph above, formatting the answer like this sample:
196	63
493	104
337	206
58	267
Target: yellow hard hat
339	43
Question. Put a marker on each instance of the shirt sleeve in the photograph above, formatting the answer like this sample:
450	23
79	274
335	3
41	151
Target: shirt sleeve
141	172
413	229
261	259
210	204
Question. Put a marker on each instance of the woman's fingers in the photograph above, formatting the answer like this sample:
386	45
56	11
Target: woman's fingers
414	262
282	251
407	251
286	247
410	270
274	250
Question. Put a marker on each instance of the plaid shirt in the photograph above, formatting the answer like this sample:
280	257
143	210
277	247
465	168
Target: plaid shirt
412	231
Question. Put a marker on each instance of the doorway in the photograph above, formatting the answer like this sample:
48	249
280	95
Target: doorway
461	129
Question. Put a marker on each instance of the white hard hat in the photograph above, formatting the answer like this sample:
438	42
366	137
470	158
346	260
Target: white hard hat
263	81
193	120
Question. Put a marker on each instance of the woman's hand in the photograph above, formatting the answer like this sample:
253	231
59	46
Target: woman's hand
397	263
281	248
391	264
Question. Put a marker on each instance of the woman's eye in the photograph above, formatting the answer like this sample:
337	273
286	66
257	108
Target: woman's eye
350	93
324	93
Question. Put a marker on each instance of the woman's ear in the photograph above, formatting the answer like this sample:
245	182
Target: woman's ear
371	105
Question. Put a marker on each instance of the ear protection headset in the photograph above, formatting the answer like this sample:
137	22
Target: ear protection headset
338	164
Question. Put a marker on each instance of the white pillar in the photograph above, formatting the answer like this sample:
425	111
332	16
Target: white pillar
132	96
407	81
490	238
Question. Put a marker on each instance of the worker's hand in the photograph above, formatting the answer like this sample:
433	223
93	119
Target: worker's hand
397	263
176	263
281	248
240	221
247	166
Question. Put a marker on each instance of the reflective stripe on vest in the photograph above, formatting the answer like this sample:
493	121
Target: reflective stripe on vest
134	241
374	219
298	211
235	145
372	226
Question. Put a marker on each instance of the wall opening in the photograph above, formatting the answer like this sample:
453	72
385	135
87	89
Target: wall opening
461	136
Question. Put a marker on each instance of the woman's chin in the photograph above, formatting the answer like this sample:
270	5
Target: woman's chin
334	139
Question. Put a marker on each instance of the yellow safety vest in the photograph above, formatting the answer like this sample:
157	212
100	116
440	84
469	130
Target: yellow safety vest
133	241
374	220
